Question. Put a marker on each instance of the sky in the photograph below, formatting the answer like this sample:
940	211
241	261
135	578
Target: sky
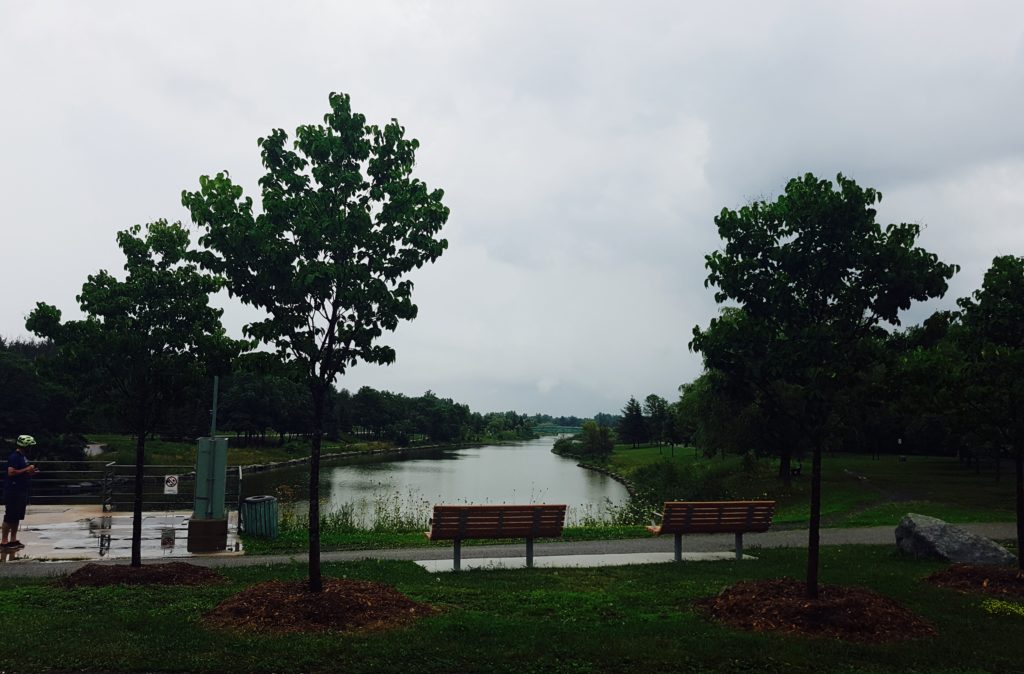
584	149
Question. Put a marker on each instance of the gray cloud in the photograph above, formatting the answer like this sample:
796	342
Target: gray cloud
584	149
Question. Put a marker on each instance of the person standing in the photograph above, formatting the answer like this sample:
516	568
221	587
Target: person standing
19	472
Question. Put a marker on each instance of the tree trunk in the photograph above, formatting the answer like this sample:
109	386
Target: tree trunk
315	582
1020	508
140	462
814	534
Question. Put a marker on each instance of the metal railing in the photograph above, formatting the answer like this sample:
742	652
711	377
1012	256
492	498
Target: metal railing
112	485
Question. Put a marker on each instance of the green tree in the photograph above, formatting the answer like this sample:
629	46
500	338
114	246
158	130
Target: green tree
596	440
816	277
657	418
994	317
343	221
632	428
146	334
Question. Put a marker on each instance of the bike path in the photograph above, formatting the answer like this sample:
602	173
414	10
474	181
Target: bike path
654	546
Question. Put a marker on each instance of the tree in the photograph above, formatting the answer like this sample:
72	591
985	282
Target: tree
656	410
342	223
816	277
631	427
145	334
994	317
596	440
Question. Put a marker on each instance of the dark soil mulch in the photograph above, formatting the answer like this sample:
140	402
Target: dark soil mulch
1003	581
173	573
847	613
344	605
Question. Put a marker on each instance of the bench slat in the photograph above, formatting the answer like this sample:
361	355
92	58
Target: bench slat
496	521
715	517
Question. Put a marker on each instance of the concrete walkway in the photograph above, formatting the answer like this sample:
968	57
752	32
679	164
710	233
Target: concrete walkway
60	539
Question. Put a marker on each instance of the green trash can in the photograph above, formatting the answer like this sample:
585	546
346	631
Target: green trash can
259	516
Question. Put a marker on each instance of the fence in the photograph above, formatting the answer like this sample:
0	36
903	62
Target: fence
112	485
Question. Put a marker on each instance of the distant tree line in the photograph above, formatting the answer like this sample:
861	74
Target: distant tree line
259	403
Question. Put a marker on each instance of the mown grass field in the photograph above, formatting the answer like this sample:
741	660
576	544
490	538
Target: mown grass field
615	619
857	490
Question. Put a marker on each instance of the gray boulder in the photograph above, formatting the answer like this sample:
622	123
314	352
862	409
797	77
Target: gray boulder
924	536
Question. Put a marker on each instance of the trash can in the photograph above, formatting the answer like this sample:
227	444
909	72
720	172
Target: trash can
259	516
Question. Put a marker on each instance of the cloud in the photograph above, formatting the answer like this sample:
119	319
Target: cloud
584	149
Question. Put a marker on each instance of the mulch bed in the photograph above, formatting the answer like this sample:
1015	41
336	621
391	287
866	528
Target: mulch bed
172	573
847	613
1002	581
283	607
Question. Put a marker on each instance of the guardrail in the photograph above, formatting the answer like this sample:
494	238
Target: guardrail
112	485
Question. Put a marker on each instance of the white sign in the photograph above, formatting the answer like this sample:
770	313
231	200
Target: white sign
170	484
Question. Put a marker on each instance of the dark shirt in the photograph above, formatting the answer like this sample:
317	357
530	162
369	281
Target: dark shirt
17	461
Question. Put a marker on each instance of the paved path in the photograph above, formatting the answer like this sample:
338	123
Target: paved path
794	538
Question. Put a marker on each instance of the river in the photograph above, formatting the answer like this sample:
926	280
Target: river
409	484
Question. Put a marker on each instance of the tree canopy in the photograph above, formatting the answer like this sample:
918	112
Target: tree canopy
343	221
994	377
143	336
815	276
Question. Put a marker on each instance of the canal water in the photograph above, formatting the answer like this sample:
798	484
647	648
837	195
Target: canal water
408	485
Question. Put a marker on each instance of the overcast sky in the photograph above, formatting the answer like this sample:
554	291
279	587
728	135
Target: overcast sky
584	149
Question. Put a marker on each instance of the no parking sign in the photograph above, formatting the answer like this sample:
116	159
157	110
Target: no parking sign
170	484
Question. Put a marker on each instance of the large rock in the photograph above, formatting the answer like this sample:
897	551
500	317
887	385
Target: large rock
924	536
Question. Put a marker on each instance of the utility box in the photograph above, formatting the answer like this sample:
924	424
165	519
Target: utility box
208	528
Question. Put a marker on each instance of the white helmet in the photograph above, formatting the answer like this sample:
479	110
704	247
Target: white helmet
26	441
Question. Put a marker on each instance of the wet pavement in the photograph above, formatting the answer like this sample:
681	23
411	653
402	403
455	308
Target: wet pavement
55	533
574	561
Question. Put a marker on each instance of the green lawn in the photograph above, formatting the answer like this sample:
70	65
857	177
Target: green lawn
121	448
636	618
856	489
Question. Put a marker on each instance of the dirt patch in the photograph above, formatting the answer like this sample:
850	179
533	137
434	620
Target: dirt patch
1002	581
847	613
173	573
283	607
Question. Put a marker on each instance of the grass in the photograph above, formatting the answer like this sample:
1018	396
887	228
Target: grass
635	618
857	490
121	448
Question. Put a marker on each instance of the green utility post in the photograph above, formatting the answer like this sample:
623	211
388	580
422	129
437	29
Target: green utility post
208	527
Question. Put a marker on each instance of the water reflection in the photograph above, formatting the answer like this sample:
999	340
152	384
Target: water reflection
518	473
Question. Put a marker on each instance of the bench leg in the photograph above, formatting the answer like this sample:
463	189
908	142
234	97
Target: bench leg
739	546
458	554
679	547
529	553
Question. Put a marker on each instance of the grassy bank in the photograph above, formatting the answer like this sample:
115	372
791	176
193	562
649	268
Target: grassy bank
121	449
857	490
636	618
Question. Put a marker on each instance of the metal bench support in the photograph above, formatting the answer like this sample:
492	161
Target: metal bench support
739	545
679	547
529	553
457	544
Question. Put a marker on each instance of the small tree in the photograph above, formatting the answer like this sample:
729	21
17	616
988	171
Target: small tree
342	223
994	318
145	336
816	276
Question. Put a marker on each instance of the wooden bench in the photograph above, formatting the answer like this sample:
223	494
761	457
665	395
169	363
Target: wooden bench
459	522
714	517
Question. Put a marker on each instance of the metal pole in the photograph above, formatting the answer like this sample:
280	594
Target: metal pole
213	411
